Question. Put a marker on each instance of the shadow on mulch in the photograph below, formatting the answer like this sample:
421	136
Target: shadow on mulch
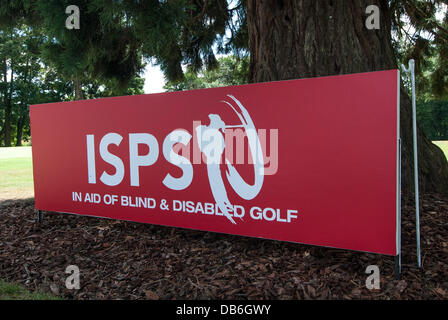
125	260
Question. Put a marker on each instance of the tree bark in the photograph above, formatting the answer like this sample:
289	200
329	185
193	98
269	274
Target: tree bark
1	135
7	126
78	89
292	39
8	106
19	132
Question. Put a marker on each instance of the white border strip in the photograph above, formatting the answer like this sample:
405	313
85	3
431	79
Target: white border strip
398	232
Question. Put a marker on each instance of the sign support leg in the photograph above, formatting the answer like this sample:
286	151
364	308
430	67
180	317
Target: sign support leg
398	267
39	216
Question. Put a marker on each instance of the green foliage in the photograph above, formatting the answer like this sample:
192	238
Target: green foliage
26	80
19	69
421	36
104	46
115	35
424	38
433	119
111	88
230	71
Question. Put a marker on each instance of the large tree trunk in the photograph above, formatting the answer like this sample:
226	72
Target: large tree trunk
7	125
293	39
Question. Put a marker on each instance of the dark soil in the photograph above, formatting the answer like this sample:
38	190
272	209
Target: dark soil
125	260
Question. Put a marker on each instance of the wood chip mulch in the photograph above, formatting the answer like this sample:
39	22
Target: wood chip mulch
125	260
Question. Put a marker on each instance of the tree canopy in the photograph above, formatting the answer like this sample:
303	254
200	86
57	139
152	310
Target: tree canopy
26	79
230	71
106	55
115	35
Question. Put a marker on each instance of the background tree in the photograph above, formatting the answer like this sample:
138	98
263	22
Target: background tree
18	68
433	117
27	80
230	71
26	87
104	47
286	39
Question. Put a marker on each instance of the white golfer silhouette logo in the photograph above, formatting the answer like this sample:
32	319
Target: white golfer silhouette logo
212	143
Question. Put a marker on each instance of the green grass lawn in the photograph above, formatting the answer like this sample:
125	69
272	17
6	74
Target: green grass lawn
15	152
16	173
11	291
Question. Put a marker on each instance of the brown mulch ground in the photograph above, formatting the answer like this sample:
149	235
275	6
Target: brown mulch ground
124	260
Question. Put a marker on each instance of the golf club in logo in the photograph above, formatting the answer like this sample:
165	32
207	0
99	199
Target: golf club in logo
212	143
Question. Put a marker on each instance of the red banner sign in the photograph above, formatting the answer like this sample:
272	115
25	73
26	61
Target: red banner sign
311	161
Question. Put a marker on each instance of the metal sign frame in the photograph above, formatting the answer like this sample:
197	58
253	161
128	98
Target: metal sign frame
411	70
398	256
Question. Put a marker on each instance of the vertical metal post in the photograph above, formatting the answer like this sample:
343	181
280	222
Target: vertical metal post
398	256
39	216
411	70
